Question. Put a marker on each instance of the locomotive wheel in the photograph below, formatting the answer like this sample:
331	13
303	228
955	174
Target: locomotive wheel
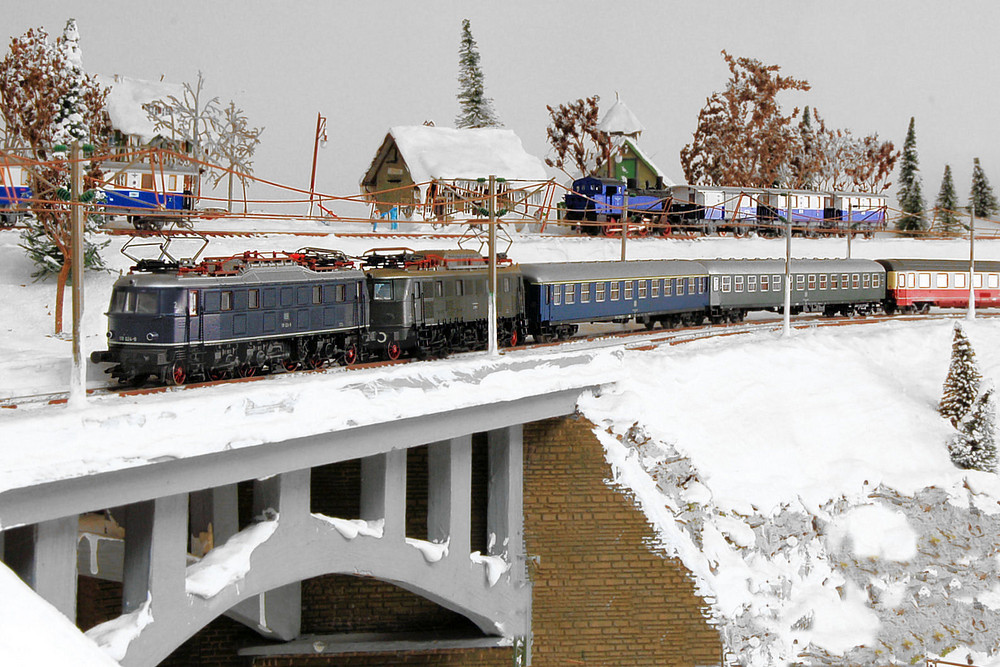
514	338
177	375
247	370
289	365
216	374
392	350
351	355
314	362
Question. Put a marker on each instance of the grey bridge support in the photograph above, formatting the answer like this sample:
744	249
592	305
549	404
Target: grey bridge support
165	508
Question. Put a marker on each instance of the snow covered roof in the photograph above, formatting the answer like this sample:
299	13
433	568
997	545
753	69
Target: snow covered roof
619	119
667	183
125	102
445	153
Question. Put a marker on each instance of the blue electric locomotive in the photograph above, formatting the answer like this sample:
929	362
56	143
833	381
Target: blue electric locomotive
235	316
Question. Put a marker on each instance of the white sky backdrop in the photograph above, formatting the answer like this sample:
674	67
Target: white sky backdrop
369	66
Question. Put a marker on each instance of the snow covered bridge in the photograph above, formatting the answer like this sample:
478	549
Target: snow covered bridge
205	502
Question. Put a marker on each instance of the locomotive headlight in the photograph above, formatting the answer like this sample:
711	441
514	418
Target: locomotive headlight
111	334
152	336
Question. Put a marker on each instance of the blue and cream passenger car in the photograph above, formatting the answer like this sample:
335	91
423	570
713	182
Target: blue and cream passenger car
561	296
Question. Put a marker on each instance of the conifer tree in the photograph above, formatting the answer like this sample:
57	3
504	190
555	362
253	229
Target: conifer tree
962	384
947	203
476	108
982	200
911	199
974	446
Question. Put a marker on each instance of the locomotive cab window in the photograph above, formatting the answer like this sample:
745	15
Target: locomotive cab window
227	300
439	288
193	303
253	299
317	294
382	290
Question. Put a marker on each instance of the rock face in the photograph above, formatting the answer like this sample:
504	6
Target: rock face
877	579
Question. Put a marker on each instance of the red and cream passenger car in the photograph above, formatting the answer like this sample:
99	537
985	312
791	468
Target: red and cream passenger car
914	285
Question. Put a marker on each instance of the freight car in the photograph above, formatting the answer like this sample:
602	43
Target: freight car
596	204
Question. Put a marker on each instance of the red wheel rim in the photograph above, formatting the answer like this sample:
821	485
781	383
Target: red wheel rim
315	362
217	374
393	351
290	365
351	355
177	374
514	340
248	371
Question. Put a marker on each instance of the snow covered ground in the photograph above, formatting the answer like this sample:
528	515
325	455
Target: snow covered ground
804	481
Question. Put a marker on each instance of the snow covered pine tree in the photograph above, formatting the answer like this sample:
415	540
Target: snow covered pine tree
962	384
476	109
974	446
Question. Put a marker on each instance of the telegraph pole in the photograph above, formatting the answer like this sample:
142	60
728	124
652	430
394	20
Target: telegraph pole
492	241
971	313
624	221
786	329
850	214
78	378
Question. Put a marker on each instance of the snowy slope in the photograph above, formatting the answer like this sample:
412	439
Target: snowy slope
803	481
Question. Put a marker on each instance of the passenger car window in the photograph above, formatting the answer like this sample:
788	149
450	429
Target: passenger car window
146	303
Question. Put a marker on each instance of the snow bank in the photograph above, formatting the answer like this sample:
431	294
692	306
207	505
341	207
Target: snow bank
806	484
33	632
229	563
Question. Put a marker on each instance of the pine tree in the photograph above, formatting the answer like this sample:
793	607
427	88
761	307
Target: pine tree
911	199
974	446
982	200
947	203
476	108
962	384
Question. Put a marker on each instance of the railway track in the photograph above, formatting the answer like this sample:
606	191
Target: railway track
637	341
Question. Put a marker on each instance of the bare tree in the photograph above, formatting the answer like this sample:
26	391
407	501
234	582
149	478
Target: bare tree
191	119
576	141
235	143
742	137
